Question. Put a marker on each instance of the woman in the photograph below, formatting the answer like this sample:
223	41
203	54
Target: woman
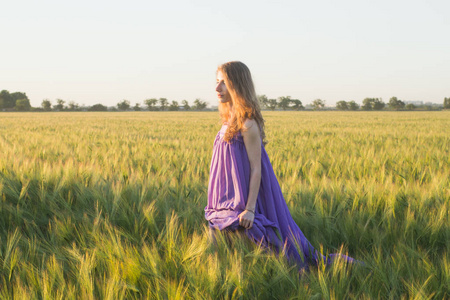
243	192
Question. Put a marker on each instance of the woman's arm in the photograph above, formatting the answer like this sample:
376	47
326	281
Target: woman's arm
252	141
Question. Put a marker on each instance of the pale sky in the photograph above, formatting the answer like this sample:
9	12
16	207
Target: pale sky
105	51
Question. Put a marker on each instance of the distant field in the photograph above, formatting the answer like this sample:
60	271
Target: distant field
110	206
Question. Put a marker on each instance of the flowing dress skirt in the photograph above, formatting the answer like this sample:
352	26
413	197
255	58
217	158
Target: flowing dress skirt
228	189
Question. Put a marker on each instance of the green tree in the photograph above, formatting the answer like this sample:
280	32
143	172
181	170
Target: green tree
297	104
151	103
72	106
163	103
378	104
46	105
318	104
352	105
272	104
199	104
410	106
373	104
137	107
123	105
367	104
342	105
284	102
6	100
23	105
185	104
59	105
98	107
396	104
447	103
174	106
263	101
18	95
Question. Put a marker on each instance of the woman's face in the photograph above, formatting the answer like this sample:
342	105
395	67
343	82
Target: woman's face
221	89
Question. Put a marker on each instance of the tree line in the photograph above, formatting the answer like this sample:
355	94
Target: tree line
287	103
152	104
18	101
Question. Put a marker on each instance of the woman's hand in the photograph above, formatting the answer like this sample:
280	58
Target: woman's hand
246	219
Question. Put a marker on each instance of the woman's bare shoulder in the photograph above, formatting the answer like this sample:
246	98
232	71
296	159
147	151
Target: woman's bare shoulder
250	128
248	123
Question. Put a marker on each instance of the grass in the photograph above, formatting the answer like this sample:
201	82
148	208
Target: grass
110	206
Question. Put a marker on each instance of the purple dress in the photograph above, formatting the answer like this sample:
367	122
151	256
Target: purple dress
228	189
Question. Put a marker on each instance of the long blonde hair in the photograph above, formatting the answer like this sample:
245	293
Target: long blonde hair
238	79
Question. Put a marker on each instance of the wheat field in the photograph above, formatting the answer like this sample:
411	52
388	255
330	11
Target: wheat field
110	206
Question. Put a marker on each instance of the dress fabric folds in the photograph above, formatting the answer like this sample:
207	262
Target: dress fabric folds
228	189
